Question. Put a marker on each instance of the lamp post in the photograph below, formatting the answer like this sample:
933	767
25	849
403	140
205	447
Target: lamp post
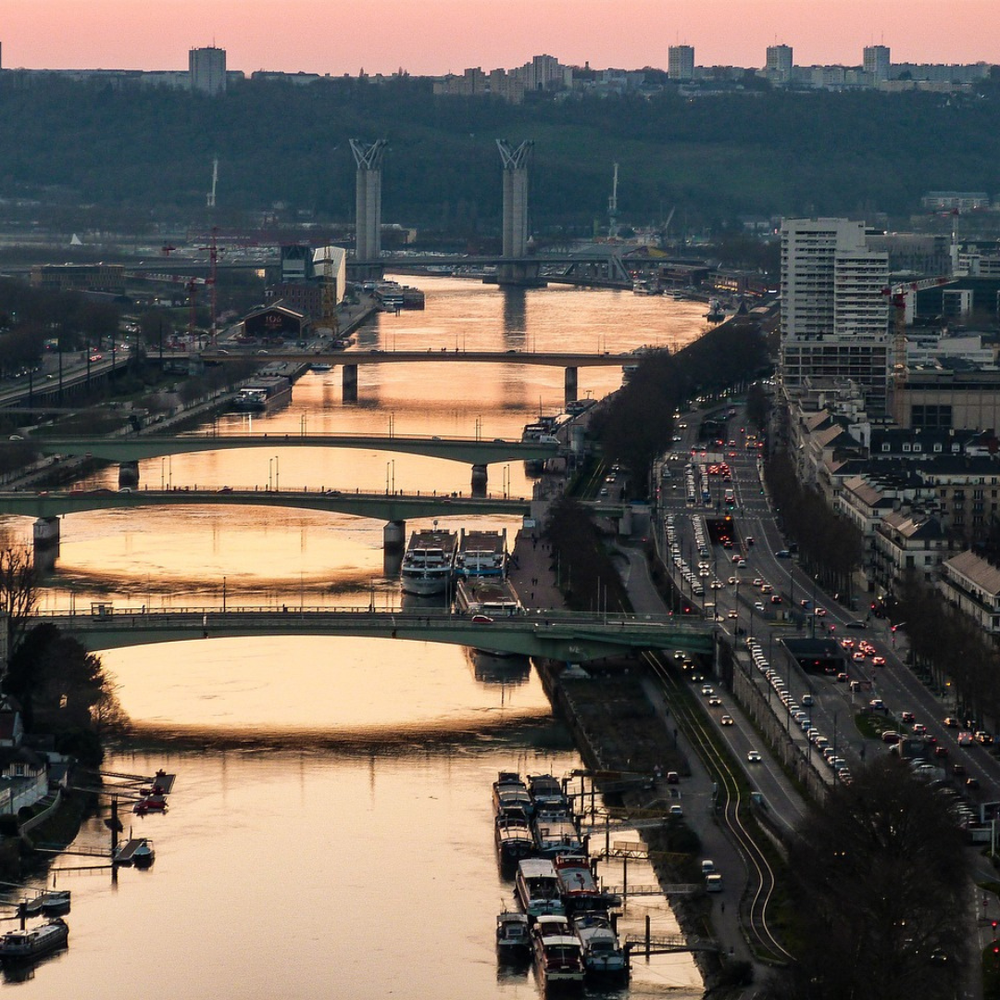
223	593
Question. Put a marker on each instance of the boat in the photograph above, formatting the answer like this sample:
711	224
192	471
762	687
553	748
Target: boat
320	366
144	854
428	562
34	941
578	888
388	295
557	952
510	795
150	803
513	939
547	793
262	393
514	839
715	314
56	902
555	834
603	955
481	554
537	887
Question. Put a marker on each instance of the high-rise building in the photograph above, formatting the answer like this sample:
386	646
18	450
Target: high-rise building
834	310
680	62
207	70
778	67
876	62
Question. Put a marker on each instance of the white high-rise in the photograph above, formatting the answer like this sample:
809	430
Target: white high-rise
680	62
834	310
876	62
778	64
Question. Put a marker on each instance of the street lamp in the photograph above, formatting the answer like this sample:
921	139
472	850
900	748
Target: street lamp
223	593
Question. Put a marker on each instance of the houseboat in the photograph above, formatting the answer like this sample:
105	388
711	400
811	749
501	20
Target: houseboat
603	955
557	953
510	795
428	562
514	840
547	793
537	887
21	945
555	834
578	888
481	554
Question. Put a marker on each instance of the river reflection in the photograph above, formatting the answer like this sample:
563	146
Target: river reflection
331	831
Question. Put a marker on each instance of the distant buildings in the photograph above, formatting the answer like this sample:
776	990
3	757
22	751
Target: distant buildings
876	62
778	64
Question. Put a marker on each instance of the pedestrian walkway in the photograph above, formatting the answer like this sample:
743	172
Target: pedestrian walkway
530	572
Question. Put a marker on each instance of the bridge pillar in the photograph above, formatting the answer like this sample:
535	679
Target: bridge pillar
480	478
128	474
393	543
625	522
46	544
572	382
350	376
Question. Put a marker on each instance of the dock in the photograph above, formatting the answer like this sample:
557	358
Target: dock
126	853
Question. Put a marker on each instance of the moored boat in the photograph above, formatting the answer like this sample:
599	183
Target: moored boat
578	888
481	554
510	795
547	793
555	834
537	887
428	562
557	952
603	955
55	902
34	941
144	854
513	939
514	839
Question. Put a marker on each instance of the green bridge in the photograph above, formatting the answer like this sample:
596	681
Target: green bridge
558	635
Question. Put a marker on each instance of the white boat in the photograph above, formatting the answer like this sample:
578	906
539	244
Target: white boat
428	562
557	952
481	554
513	939
537	887
603	954
34	941
555	834
514	839
56	901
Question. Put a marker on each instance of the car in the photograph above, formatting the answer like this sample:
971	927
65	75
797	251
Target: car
972	784
842	677
754	757
673	778
676	810
697	678
782	554
919	728
726	720
609	479
805	604
906	716
855	685
229	489
951	722
983	737
707	690
858	624
749	540
807	700
888	736
758	605
820	612
878	661
958	770
482	620
97	357
776	598
715	701
733	580
604	491
716	585
732	613
741	564
940	751
858	656
758	581
877	704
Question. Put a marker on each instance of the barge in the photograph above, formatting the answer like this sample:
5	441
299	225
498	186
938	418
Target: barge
428	562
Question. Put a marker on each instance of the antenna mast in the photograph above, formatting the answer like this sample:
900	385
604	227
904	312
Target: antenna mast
215	180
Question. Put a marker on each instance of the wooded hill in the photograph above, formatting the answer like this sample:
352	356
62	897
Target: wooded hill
134	154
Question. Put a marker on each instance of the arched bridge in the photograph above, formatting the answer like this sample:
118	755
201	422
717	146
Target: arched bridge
131	448
384	506
555	635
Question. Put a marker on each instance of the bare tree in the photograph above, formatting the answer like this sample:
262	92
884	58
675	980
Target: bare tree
18	587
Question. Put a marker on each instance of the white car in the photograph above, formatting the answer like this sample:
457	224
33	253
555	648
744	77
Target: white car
754	757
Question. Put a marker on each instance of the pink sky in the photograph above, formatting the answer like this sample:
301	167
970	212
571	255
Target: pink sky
428	37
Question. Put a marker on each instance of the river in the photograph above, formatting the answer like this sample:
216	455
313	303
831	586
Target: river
331	833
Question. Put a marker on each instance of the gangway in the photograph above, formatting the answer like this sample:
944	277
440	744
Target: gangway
668	944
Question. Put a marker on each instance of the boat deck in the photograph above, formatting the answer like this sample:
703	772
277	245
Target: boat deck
126	853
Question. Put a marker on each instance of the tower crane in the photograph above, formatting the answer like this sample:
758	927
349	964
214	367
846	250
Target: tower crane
902	299
210	198
613	207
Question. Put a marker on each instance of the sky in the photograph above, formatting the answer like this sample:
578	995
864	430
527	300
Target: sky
434	37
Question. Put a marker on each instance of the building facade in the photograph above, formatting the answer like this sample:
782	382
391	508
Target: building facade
680	62
207	70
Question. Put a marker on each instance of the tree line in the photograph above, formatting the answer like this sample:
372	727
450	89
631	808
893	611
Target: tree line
125	150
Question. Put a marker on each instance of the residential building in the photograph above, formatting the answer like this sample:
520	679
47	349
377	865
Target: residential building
778	65
907	541
207	69
972	584
680	62
876	62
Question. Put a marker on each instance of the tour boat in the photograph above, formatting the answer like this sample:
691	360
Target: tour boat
537	887
428	562
34	941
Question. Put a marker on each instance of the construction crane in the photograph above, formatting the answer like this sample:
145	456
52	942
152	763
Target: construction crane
902	299
613	207
325	266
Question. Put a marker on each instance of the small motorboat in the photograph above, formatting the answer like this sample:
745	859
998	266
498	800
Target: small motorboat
150	803
513	941
55	902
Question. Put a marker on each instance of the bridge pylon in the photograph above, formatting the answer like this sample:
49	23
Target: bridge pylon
514	161
368	202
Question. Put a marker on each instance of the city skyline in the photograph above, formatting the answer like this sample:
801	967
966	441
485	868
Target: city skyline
436	37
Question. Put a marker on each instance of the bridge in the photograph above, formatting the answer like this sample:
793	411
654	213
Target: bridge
133	447
557	635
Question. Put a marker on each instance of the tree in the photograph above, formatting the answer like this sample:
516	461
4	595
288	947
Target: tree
881	881
18	587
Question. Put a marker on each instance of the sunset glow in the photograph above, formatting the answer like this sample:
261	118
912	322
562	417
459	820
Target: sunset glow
434	37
